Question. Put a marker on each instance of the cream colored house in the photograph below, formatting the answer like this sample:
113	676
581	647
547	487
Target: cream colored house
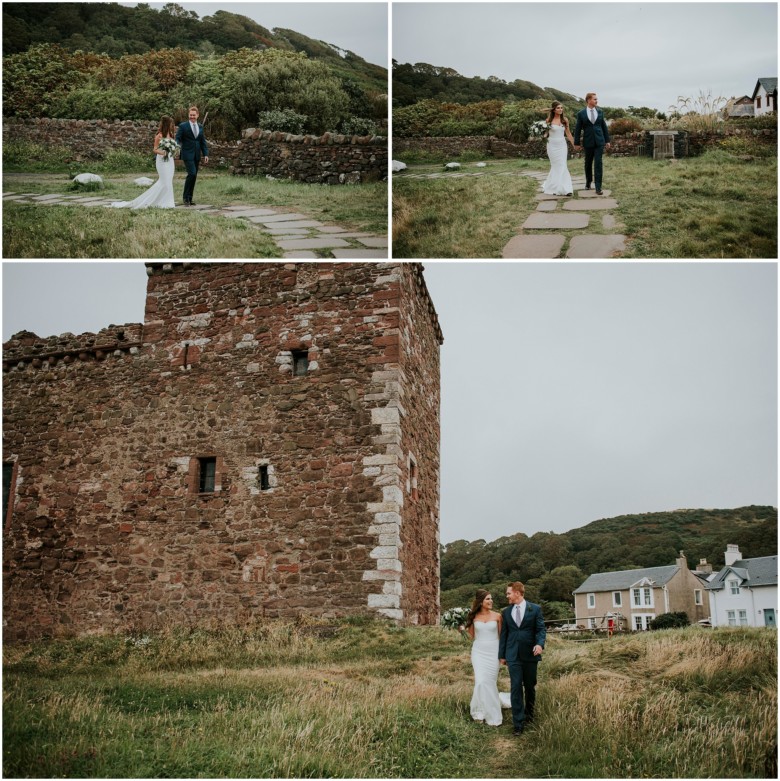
765	96
632	598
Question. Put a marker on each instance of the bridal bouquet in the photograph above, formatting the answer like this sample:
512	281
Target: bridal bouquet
170	147
454	618
538	129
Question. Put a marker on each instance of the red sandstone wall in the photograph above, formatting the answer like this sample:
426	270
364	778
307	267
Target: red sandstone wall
108	530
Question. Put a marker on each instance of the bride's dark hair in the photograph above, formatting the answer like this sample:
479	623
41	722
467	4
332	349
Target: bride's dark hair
166	126
476	606
551	116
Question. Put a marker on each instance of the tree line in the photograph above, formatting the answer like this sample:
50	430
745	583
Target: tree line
62	65
553	565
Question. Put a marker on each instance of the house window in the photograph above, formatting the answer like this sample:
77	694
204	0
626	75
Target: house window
648	594
642	597
300	360
591	623
743	618
591	600
638	623
734	587
263	478
636	596
642	621
617	599
207	475
697	596
731	615
758	101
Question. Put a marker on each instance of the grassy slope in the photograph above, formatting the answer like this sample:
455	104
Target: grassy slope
380	701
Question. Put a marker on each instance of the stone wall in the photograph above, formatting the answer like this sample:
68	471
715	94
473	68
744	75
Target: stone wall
489	146
327	159
326	484
89	139
627	145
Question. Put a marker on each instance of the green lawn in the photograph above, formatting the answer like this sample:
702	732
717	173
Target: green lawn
374	700
714	206
81	232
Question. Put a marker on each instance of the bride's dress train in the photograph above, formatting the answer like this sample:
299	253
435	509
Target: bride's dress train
486	703
558	181
160	194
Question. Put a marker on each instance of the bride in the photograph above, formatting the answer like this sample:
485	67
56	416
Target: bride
558	181
483	625
160	194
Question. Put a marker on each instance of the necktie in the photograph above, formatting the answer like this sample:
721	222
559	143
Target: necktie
593	116
194	129
517	614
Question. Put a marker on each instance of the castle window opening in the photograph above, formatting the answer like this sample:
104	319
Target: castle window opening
265	482
208	474
9	486
300	362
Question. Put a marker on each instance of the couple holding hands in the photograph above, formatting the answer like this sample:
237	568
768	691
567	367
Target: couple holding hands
592	126
515	637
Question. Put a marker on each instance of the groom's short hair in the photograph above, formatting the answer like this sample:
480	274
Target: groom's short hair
517	586
193	108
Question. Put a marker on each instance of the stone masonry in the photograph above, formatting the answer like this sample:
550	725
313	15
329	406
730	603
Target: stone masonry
265	444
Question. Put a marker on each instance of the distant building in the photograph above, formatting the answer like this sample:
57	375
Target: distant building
636	596
765	96
740	108
744	592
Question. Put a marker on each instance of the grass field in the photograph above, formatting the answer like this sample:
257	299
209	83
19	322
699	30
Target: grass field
373	700
717	205
80	232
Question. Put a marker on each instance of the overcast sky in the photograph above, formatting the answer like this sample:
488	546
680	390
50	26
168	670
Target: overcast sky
360	27
640	54
570	392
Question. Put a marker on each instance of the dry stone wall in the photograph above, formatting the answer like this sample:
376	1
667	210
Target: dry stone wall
309	392
327	159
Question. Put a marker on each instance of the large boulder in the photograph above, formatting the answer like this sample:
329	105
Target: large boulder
398	166
143	181
88	179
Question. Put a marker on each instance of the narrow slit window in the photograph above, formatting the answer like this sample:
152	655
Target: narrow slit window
265	481
208	474
300	362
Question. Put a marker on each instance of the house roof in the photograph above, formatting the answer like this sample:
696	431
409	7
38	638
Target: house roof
768	83
752	572
742	110
624	579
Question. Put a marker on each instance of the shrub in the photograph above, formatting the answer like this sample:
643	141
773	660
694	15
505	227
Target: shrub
285	120
358	126
670	621
621	127
741	146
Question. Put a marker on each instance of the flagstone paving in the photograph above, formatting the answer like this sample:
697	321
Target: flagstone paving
297	234
561	213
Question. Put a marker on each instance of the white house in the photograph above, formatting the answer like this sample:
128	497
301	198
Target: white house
765	96
744	592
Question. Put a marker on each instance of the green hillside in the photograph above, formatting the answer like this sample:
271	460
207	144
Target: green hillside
115	30
553	565
421	81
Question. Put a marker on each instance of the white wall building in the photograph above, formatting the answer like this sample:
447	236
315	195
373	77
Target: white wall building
744	592
765	96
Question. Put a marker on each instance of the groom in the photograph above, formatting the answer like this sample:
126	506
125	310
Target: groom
596	139
520	647
191	139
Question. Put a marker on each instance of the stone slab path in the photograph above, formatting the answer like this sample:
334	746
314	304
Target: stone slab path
562	213
298	235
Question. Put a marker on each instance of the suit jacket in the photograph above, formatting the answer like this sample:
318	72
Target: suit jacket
191	148
595	134
517	642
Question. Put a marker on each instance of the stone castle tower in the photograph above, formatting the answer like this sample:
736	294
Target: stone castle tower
265	444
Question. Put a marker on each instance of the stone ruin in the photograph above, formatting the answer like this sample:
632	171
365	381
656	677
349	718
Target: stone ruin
264	444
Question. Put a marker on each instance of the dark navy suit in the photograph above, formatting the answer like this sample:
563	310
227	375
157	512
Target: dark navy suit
516	645
595	136
191	150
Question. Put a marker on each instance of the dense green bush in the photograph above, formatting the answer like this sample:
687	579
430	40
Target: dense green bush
621	127
670	621
285	120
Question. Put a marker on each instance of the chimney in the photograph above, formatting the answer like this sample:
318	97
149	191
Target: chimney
732	554
704	568
681	561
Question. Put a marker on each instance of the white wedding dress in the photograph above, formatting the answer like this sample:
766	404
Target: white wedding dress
486	703
558	181
160	194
